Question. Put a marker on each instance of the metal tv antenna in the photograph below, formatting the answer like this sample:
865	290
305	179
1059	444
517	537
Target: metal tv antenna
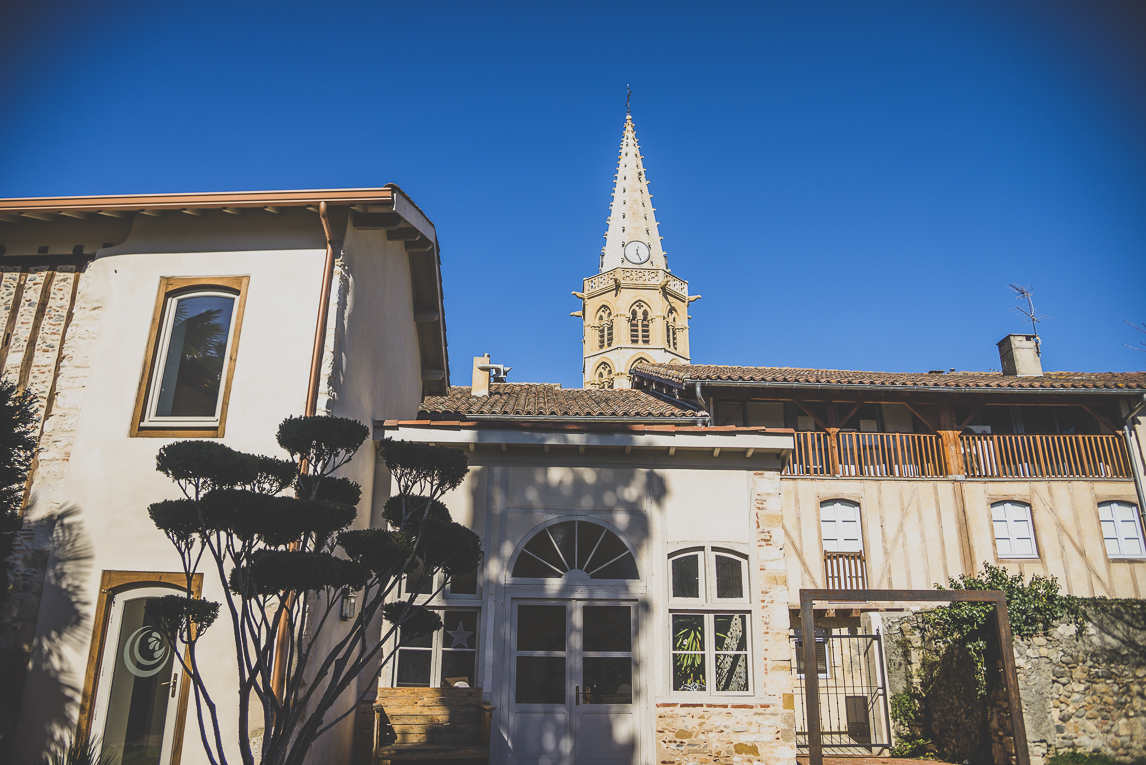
1026	293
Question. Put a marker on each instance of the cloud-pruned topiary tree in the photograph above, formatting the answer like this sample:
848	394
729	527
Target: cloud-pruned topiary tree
287	560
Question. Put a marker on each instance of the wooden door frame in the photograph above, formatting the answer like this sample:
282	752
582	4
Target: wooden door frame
113	583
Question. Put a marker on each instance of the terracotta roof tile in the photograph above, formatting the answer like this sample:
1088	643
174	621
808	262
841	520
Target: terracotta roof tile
682	373
551	401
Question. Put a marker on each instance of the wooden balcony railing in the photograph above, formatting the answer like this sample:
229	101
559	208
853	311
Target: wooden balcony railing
812	455
890	455
845	571
912	455
1045	457
880	455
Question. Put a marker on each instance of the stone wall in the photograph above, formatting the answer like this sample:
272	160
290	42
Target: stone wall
1083	688
52	331
723	733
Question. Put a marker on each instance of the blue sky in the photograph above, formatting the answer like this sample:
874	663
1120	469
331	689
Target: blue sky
849	185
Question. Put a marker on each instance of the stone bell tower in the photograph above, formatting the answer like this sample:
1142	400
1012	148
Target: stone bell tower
633	310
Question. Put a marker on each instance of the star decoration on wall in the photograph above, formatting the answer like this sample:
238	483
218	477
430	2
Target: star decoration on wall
460	636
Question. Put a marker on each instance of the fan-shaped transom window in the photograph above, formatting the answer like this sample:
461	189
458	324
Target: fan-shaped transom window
576	549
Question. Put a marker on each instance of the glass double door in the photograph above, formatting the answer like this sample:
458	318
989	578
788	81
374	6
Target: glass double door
573	691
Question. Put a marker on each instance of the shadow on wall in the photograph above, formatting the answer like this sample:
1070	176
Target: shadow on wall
571	492
1121	629
50	699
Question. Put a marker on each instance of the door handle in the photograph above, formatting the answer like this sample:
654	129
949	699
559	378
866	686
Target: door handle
577	695
173	682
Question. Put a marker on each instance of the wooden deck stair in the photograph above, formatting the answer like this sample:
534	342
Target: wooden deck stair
431	724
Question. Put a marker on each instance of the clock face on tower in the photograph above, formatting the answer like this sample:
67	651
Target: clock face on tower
637	252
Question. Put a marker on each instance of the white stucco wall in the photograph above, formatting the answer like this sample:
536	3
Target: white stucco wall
371	371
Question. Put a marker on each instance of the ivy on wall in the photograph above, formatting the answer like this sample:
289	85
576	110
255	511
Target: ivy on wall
1032	607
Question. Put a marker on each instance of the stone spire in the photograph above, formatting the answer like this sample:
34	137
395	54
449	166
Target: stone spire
631	214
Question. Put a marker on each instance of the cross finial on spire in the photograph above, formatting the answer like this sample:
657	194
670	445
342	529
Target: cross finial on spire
628	95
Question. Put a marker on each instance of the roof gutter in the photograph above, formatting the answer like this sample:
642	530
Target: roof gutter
278	672
323	309
1136	458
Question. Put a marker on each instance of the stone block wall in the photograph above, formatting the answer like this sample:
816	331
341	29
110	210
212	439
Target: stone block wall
699	734
1085	688
760	728
50	327
1082	688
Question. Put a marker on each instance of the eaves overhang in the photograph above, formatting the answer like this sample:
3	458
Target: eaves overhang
748	440
951	389
357	204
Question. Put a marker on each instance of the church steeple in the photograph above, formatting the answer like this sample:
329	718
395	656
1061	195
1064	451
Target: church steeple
633	310
631	214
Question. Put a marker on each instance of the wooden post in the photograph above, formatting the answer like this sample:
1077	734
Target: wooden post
812	682
952	456
1011	679
834	450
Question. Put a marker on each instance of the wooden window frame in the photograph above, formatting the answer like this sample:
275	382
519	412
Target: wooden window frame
111	584
168	287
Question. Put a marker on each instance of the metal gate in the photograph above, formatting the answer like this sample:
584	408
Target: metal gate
854	716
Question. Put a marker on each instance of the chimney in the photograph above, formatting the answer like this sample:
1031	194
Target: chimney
1019	355
485	373
480	385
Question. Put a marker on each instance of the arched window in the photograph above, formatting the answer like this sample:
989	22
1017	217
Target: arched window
1014	530
840	526
604	375
1121	530
844	567
604	328
670	328
708	605
639	324
638	360
576	549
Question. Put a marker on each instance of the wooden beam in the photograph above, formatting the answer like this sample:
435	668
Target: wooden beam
974	412
193	211
424	317
629	449
1101	419
852	413
365	221
419	245
748	454
404	234
152	213
46	217
77	214
273	210
5	217
812	414
115	213
716	452
925	420
233	210
672	451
